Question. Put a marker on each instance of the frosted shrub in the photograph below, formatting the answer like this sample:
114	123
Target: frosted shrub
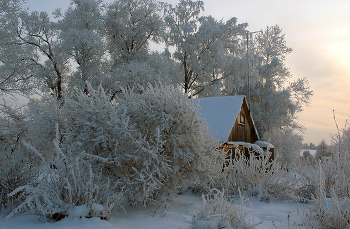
336	168
42	115
102	130
333	212
15	171
256	174
331	207
67	186
17	167
218	212
308	180
150	144
331	204
328	209
187	146
332	173
336	175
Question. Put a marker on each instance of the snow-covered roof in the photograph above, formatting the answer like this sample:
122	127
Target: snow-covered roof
263	144
220	114
312	151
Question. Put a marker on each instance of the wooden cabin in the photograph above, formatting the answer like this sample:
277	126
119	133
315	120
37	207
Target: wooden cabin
230	121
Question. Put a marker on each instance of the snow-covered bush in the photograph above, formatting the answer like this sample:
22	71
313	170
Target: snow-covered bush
335	170
42	115
341	141
306	188
16	170
67	186
17	166
333	212
328	209
218	212
150	144
188	145
256	175
146	145
336	175
331	204
101	129
329	173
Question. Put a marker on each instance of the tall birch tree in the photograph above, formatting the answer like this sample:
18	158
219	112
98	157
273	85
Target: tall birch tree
200	44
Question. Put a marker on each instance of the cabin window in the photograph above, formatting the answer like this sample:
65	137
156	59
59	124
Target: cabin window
241	119
241	128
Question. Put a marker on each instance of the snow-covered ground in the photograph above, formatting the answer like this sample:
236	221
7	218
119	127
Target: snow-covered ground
174	214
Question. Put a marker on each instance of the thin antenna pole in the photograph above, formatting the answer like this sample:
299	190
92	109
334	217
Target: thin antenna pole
247	53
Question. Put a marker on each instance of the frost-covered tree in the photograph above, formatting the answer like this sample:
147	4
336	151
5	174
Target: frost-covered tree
287	144
272	108
15	59
130	27
167	68
31	49
274	100
85	43
274	113
201	45
271	48
81	32
98	131
308	157
322	150
157	68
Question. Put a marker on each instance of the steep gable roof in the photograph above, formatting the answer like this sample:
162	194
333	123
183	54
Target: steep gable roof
221	113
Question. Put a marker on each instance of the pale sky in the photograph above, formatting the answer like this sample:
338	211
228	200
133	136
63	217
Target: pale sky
318	31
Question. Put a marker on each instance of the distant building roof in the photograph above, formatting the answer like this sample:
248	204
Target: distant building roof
312	151
220	114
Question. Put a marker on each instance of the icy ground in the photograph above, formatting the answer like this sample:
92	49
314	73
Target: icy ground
174	214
